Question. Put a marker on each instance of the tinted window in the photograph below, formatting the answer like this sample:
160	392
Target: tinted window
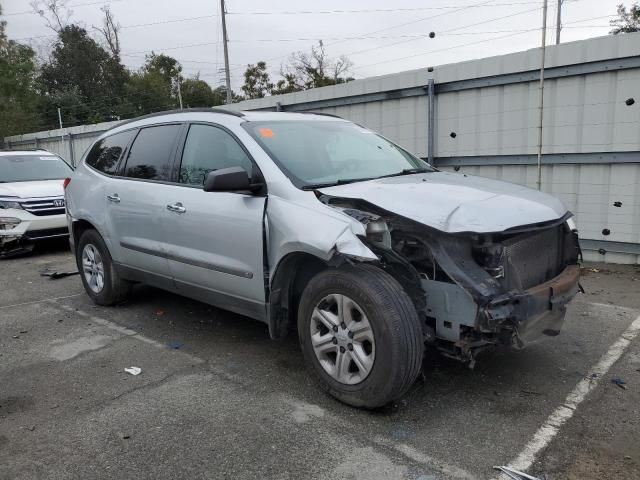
151	152
209	148
105	154
39	166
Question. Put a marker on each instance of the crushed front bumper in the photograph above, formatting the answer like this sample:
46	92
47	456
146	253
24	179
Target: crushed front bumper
20	229
524	317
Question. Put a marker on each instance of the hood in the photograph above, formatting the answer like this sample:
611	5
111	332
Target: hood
453	202
36	188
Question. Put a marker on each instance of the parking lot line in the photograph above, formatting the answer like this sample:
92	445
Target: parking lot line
127	332
41	301
564	412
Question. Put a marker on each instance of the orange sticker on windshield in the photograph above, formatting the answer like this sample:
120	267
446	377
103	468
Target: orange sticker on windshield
265	132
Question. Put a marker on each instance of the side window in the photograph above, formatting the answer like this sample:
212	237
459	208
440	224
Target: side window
105	154
210	148
151	153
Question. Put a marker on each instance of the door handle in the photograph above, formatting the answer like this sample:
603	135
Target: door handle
176	208
113	198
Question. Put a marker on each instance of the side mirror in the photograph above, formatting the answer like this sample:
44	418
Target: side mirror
232	179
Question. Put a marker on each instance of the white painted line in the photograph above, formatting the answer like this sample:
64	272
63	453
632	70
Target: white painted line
124	331
41	301
449	471
564	412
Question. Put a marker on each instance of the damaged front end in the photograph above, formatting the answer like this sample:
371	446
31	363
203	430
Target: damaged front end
476	291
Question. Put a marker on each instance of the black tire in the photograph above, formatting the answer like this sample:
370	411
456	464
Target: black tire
395	325
115	289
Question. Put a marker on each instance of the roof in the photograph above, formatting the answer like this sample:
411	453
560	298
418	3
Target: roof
35	151
220	115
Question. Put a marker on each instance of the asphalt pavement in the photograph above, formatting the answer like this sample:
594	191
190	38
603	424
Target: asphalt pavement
218	399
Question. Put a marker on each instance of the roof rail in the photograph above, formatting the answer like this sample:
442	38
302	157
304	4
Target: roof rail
23	150
184	110
321	113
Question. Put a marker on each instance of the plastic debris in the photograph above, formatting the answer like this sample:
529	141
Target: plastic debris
57	275
133	370
619	382
515	474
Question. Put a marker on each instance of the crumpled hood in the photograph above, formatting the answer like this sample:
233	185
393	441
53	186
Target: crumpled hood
453	202
37	188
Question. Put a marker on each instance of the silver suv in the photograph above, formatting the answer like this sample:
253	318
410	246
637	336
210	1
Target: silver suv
311	221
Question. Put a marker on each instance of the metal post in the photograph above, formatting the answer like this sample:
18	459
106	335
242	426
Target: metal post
179	93
225	41
279	107
558	22
431	92
72	155
541	88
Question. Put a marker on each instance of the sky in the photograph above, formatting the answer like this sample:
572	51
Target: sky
378	36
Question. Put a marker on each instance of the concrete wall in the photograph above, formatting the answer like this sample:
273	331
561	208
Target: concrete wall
486	121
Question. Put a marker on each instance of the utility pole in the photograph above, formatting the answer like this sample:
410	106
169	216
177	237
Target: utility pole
179	93
558	21
541	88
225	41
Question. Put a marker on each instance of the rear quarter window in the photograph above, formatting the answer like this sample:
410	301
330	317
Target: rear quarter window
104	155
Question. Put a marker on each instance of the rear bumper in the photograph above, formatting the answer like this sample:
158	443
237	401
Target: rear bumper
527	316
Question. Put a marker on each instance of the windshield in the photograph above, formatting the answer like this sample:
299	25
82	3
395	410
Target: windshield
320	153
24	168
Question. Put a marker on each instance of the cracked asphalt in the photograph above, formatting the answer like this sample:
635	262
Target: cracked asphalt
218	399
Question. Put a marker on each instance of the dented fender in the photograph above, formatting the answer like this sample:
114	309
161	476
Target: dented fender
292	227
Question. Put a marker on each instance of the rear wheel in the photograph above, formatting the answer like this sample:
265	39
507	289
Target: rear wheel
360	335
97	271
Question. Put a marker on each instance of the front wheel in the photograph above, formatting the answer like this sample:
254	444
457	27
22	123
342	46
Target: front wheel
360	335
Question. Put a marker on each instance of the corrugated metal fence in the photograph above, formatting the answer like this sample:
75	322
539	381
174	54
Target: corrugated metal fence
481	117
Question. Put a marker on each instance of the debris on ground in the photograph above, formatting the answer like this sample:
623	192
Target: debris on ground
175	345
619	382
57	275
159	312
133	370
515	474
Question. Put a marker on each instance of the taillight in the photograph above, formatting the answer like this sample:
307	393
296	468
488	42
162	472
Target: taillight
66	182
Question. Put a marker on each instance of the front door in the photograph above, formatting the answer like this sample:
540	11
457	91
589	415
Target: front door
215	239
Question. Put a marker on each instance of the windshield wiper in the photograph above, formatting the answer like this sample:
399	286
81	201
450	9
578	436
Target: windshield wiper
407	171
342	181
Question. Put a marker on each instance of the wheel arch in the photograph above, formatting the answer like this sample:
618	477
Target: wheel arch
292	274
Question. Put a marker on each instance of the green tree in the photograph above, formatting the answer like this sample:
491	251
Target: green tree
168	68
198	93
257	83
627	21
18	96
81	69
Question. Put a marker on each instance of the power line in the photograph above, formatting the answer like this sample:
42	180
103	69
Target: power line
31	12
375	10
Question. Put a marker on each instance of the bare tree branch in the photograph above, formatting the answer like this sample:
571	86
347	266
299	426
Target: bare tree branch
54	12
110	31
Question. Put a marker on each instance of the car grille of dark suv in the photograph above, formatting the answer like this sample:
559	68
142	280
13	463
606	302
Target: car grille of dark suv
44	206
534	258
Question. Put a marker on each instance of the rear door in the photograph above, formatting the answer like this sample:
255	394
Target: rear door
215	239
136	201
